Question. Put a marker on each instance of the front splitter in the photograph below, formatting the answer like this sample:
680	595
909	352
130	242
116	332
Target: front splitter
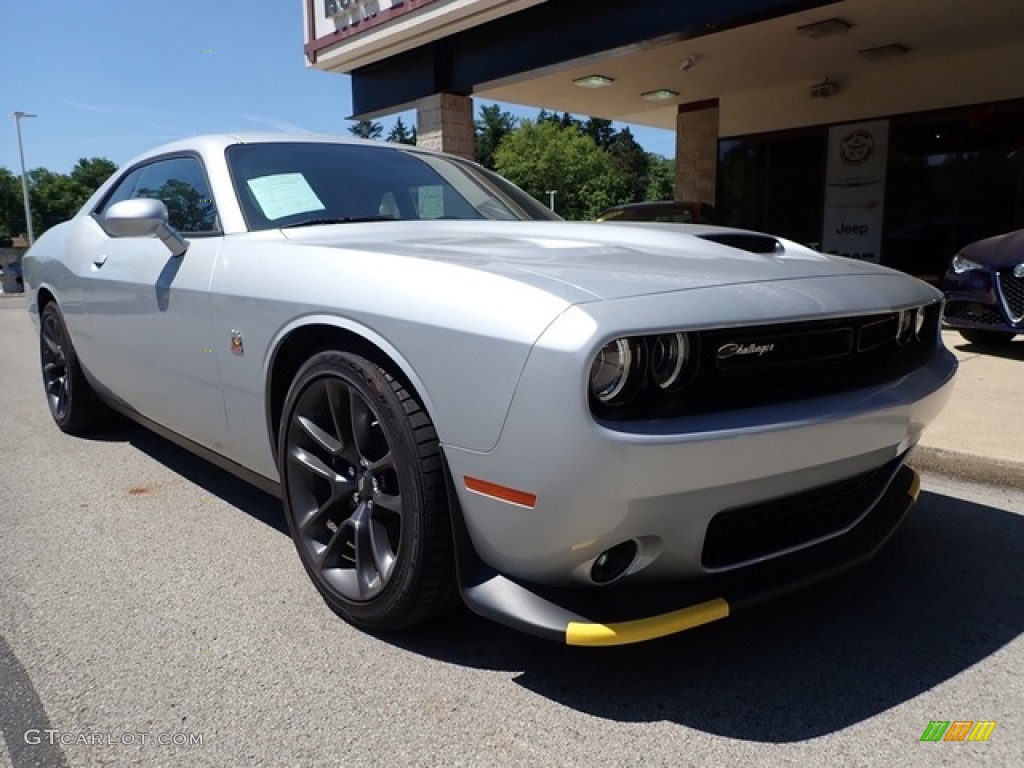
607	616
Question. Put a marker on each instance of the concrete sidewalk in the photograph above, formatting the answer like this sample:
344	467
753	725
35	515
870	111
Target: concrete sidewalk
980	434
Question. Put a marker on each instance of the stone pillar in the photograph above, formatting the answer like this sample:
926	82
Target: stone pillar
697	151
444	122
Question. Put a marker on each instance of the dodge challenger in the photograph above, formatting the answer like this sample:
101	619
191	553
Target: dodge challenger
596	433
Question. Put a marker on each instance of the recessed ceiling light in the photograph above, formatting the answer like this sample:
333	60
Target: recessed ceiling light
891	51
662	94
593	81
825	28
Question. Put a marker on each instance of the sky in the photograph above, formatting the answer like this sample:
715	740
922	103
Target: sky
113	78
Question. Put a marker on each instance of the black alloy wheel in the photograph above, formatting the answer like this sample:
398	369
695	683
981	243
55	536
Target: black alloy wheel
364	493
73	403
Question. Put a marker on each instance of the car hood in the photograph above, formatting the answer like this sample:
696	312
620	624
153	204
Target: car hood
1000	252
586	260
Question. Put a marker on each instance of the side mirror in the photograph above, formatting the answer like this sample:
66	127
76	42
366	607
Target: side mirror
143	217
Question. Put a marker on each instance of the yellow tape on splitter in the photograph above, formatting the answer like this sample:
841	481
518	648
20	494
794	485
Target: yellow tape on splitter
915	487
623	633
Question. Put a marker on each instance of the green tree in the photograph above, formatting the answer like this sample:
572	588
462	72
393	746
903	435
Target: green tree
661	177
366	129
12	209
55	198
493	126
565	120
600	130
630	160
400	134
543	156
91	172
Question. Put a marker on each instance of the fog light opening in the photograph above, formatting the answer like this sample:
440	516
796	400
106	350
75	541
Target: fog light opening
613	563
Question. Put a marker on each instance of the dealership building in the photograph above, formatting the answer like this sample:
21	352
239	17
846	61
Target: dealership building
881	129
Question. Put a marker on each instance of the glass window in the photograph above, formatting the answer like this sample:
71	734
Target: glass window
774	183
181	184
123	191
955	176
292	184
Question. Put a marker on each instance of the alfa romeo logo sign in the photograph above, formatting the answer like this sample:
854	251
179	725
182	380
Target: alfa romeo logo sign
856	147
1018	271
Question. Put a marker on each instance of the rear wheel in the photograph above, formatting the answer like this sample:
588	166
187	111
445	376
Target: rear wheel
74	406
364	493
987	338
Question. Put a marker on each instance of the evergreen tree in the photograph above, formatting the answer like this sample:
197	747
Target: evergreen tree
366	129
401	134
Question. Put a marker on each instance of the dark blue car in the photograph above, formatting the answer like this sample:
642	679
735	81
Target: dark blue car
984	289
12	271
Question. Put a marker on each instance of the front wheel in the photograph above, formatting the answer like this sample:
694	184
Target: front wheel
364	493
987	338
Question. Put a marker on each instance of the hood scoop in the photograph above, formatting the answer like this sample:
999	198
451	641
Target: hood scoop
747	241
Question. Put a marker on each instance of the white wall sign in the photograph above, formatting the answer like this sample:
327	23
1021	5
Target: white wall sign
855	189
348	13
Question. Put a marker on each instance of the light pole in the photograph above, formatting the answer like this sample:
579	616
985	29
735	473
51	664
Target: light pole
24	179
551	198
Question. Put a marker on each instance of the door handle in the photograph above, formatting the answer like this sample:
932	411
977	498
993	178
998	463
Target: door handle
100	260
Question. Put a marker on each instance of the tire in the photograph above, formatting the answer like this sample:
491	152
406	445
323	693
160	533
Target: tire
987	338
74	406
364	493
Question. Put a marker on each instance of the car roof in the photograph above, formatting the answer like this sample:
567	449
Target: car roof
216	143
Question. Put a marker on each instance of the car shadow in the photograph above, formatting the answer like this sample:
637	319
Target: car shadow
945	594
1012	351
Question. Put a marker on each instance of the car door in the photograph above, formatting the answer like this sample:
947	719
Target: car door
150	311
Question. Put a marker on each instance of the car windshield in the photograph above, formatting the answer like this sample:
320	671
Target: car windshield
290	184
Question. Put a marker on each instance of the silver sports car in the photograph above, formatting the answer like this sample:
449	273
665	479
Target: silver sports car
597	433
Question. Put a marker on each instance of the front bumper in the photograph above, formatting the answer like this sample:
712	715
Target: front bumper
586	487
984	300
623	615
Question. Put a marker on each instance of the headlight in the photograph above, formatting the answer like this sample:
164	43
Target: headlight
668	355
612	369
961	265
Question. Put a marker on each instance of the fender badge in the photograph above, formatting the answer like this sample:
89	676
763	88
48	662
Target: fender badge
236	344
1018	271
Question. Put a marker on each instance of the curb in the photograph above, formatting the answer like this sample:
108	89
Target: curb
969	466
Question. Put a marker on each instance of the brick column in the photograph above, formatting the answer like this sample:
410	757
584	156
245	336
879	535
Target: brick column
444	122
697	151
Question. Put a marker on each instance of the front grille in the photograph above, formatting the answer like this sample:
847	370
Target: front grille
745	534
734	368
973	312
1012	289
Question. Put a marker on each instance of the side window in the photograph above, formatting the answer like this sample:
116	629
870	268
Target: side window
181	183
123	191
